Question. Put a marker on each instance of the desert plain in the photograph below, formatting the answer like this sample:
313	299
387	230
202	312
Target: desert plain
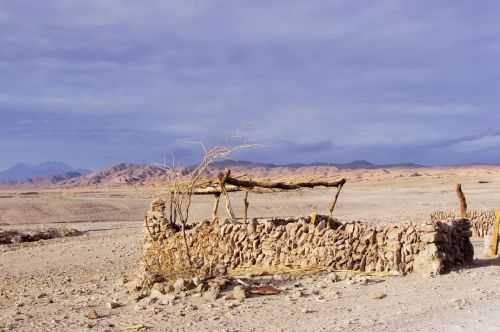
53	285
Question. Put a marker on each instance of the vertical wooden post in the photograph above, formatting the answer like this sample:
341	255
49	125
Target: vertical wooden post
246	204
173	200
171	216
215	210
229	209
334	203
314	217
462	201
222	183
494	237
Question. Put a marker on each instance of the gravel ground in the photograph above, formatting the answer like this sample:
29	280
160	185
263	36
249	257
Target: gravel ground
57	284
52	285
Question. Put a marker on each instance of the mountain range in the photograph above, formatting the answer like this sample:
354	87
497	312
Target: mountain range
27	172
356	164
61	174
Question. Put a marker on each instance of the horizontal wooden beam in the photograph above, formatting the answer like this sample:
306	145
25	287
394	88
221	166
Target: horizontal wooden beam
250	184
235	184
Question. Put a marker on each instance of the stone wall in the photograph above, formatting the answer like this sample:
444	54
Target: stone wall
432	247
481	220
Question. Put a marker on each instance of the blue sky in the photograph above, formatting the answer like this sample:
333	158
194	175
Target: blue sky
97	82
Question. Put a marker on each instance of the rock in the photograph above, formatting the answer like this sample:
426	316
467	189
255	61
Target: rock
196	281
333	277
158	286
92	314
378	296
361	281
180	285
168	289
219	283
299	293
460	304
202	287
281	277
136	297
231	305
139	307
429	237
307	311
239	293
41	295
427	262
134	285
164	299
320	298
123	281
112	305
212	293
148	278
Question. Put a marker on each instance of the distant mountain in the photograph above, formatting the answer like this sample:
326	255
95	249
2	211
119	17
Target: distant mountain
26	172
120	174
356	164
23	171
241	163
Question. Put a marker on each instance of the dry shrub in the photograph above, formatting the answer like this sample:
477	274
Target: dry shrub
170	262
172	259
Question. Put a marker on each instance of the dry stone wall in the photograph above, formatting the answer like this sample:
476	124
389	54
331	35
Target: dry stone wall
432	247
481	220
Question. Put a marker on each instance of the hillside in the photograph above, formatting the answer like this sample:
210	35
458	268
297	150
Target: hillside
120	174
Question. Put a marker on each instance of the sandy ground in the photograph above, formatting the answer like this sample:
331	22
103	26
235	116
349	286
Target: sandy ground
51	285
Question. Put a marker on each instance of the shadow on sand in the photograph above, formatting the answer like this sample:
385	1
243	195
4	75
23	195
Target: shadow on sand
485	262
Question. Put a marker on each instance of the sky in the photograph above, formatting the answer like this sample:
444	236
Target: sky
96	82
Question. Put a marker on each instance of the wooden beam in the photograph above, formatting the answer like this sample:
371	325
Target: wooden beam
249	184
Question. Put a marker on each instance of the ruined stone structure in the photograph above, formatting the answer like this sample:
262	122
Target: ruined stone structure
481	220
216	247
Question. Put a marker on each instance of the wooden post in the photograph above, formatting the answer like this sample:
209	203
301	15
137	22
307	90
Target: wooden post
334	203
229	209
462	201
246	204
216	207
171	216
494	237
174	206
222	183
314	217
